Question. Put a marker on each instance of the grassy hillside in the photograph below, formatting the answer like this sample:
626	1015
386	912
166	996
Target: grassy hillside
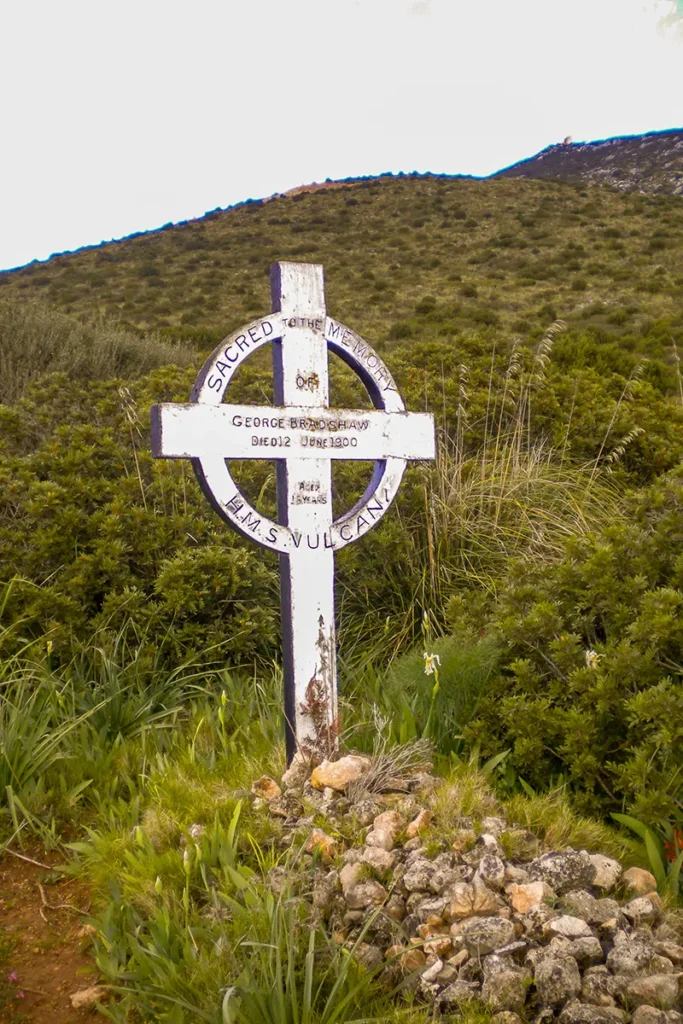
540	559
510	254
539	321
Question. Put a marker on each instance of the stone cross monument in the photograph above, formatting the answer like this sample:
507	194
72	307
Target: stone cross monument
302	434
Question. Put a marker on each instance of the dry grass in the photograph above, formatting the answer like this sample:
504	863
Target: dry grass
465	793
36	340
509	496
551	818
391	763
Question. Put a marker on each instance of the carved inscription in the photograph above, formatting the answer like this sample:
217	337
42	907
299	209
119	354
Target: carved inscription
243	515
285	424
307	383
309	492
364	354
329	442
233	354
311	324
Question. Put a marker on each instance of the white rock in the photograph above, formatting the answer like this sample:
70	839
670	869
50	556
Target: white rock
338	774
505	990
557	980
379	859
86	997
659	990
494	826
564	870
431	973
364	894
513	873
349	875
380	838
568	927
607	871
485	845
641	910
418	875
491	871
485	934
586	949
297	773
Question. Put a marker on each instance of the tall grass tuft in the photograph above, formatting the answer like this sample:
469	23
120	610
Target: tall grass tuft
516	494
36	340
500	490
298	976
509	501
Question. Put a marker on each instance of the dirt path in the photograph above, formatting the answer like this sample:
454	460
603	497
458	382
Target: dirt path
43	952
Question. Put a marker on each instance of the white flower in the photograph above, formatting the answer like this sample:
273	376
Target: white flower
592	658
432	662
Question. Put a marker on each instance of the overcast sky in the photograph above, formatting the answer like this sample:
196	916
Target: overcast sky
121	116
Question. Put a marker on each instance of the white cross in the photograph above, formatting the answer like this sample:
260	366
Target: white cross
302	434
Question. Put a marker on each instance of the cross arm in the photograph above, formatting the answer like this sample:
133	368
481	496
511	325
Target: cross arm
258	432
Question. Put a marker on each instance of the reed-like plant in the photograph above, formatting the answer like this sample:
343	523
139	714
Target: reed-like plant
35	340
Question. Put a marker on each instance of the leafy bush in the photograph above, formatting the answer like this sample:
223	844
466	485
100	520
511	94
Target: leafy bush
542	439
591	685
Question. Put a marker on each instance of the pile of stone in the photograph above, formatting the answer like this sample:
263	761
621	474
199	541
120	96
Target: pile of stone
491	916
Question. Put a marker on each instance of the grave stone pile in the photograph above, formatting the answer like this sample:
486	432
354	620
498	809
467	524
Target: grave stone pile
473	908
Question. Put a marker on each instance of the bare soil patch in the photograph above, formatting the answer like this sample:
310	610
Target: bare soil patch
44	951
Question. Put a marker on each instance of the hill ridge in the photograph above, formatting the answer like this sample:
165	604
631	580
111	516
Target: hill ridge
649	163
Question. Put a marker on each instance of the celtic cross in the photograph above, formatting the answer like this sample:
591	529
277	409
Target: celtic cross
302	434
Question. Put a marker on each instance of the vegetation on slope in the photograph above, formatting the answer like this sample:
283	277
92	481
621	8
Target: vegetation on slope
558	450
510	254
539	558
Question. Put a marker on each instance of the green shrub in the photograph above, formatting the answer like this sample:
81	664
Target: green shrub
408	694
485	315
592	687
400	330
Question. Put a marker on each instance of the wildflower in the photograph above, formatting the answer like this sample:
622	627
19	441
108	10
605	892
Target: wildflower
432	662
592	658
12	976
20	995
673	847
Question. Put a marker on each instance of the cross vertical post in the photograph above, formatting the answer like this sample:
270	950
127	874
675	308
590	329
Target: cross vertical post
300	369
